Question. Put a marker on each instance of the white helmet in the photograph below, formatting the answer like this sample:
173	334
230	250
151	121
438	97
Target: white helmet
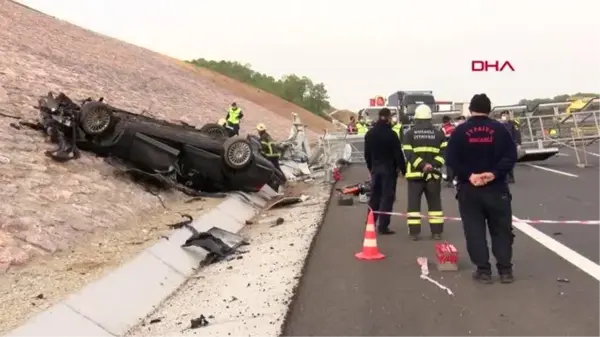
423	112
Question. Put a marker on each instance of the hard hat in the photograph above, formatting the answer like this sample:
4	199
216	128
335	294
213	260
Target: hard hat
423	112
394	119
261	127
222	121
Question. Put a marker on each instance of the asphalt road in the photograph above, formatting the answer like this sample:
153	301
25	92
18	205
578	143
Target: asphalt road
339	295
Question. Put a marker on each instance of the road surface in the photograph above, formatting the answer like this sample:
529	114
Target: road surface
341	296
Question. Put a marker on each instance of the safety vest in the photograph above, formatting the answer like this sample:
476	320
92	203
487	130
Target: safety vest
397	128
234	115
268	151
361	128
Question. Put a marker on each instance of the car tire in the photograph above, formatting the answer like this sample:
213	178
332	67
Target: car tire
237	153
214	130
95	118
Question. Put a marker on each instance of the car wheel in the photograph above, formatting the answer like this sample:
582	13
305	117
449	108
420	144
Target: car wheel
214	130
96	118
237	153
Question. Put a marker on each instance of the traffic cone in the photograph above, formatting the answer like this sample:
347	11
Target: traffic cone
370	250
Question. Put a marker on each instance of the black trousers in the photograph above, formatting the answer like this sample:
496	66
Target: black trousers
233	129
275	162
383	195
432	189
511	175
487	207
449	174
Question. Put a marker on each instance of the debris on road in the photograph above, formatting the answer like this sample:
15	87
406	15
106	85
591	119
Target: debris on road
183	223
218	242
198	322
563	280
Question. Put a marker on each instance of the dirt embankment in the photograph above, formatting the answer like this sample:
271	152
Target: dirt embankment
47	206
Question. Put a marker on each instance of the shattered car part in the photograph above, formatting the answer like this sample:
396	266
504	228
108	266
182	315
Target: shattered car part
218	242
178	155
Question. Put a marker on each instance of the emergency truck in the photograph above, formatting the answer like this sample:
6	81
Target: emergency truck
407	101
371	112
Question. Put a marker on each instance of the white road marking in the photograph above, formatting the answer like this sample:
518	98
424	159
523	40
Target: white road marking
562	154
553	170
571	256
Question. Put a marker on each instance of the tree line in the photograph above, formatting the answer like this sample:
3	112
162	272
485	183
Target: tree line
531	103
299	90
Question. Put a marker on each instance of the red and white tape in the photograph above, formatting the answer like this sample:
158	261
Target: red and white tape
530	221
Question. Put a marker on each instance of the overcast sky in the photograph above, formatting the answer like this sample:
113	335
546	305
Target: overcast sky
365	48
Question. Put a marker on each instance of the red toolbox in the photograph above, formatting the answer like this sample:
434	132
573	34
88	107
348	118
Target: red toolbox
446	256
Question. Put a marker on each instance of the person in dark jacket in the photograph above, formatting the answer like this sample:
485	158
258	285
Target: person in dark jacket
515	133
482	153
447	128
424	147
384	159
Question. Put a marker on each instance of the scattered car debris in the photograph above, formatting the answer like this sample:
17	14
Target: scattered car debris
283	202
40	297
183	223
155	320
345	200
197	162
198	322
278	222
563	280
218	242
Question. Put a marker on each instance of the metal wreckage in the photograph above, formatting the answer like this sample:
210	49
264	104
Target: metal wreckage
196	161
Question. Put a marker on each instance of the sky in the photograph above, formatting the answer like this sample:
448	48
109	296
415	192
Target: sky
360	49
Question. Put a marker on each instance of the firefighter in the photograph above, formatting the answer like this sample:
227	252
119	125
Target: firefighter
447	128
482	153
515	133
385	161
233	118
361	126
267	146
424	146
351	128
397	127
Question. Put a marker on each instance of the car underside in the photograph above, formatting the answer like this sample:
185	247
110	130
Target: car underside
195	161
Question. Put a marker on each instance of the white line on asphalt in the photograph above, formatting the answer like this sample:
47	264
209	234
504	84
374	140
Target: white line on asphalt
571	256
562	154
553	170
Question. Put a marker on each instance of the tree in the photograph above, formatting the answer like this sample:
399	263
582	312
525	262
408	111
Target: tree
299	90
531	103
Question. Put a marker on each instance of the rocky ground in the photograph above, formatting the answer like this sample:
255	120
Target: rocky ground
47	208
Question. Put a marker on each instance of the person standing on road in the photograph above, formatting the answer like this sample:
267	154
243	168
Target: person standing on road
233	118
384	159
424	147
361	126
482	152
515	133
448	127
397	127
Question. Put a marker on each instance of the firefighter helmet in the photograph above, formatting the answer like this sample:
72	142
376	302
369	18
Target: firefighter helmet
261	127
423	112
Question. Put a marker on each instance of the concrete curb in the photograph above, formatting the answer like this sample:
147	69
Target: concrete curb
113	304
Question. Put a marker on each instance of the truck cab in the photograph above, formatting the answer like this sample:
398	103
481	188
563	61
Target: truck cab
407	102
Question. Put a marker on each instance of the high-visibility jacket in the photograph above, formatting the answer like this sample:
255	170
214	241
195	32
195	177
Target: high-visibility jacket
423	144
397	128
268	147
361	128
234	115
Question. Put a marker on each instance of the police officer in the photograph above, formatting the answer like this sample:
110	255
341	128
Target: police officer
384	159
513	128
233	118
397	127
482	153
361	126
267	146
424	147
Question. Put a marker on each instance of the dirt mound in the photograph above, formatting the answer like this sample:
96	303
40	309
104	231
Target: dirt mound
47	206
343	115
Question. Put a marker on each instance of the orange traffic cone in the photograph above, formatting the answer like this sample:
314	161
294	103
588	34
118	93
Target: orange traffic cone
370	250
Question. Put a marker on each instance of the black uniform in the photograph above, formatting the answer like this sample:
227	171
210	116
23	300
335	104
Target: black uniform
424	144
484	145
384	160
515	133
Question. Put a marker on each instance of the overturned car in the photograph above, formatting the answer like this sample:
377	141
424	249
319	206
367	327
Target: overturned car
179	155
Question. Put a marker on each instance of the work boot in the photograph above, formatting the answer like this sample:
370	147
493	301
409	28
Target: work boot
482	277
436	236
385	231
507	278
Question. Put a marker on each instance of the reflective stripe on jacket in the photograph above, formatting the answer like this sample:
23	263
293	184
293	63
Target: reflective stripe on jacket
423	144
268	149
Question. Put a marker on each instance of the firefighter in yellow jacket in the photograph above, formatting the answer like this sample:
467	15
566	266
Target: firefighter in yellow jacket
424	146
361	126
267	146
397	127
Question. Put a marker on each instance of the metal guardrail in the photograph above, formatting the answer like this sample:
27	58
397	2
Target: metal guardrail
577	131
